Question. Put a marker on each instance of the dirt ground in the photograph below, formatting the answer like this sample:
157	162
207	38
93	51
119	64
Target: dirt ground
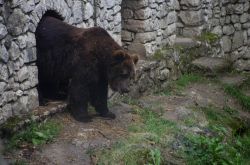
77	139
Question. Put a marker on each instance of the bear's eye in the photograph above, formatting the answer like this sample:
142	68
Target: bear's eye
124	75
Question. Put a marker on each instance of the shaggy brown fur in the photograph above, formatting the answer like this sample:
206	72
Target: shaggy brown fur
81	63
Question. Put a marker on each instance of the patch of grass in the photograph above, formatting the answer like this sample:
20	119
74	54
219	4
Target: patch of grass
219	149
205	150
246	84
144	142
218	118
132	150
228	140
19	162
236	93
208	37
129	100
175	87
166	91
242	144
187	79
153	123
35	134
230	111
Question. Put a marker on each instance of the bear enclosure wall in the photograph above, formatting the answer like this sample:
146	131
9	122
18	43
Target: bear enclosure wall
229	19
18	22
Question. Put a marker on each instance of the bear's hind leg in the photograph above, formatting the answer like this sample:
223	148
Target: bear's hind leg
78	102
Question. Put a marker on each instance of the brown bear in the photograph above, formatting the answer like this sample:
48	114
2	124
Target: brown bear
82	63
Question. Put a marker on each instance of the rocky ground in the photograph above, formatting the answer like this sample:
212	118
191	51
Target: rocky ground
96	142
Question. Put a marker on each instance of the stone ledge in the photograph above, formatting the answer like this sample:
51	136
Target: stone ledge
13	124
210	65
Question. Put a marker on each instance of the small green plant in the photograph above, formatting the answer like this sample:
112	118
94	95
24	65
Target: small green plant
208	37
166	52
155	155
236	93
158	55
35	134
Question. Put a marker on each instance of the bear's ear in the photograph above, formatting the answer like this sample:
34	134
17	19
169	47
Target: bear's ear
119	55
135	58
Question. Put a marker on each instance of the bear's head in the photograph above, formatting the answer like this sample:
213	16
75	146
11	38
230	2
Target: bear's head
121	70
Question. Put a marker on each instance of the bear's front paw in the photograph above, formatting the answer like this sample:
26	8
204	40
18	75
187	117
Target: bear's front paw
108	115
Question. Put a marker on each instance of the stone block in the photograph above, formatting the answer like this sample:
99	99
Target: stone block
242	65
191	18
135	5
127	14
143	14
237	26
32	99
3	31
6	112
17	22
88	11
20	106
226	44
3	86
22	74
140	25
33	75
171	17
4	73
235	18
238	39
28	6
139	49
228	29
29	55
78	12
192	31
246	25
191	3
4	55
244	18
145	37
217	30
238	8
14	51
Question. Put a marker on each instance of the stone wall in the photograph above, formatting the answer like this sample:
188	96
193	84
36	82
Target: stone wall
19	19
148	25
18	22
230	20
18	70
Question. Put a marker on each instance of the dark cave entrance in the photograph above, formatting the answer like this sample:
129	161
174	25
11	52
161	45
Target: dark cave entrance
48	90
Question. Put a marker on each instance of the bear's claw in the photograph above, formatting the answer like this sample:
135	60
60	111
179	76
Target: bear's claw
108	115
